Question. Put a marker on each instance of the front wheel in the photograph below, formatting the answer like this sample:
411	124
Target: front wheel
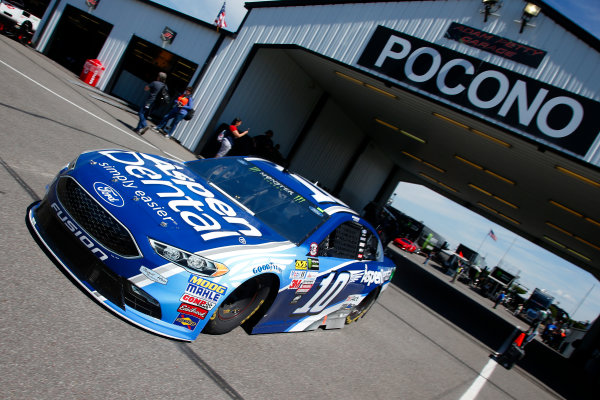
239	306
363	307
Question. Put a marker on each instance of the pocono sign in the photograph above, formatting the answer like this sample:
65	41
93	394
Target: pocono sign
543	111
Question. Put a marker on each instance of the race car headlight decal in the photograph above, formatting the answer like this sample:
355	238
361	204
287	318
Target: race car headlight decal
189	261
140	292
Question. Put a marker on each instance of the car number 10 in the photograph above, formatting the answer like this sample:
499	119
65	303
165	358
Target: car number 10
327	291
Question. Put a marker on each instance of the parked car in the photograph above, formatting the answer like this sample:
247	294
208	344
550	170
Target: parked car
406	245
16	20
207	245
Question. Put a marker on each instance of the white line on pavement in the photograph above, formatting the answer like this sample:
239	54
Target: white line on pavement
79	107
477	385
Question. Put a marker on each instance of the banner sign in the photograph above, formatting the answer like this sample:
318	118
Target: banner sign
555	115
168	35
92	4
497	45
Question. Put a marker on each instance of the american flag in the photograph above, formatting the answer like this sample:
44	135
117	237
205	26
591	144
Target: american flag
220	20
493	235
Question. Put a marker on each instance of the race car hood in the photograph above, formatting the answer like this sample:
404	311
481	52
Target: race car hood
162	199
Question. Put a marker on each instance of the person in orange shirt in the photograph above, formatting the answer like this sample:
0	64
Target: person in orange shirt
183	104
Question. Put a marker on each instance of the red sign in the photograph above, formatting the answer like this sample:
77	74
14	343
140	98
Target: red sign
495	44
168	35
192	310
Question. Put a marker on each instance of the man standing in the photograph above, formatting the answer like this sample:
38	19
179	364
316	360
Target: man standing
500	298
183	105
152	89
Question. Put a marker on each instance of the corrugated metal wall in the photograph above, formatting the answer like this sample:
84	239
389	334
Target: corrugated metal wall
329	147
341	32
368	176
129	17
273	94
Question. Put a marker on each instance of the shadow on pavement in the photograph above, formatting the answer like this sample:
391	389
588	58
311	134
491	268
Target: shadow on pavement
558	373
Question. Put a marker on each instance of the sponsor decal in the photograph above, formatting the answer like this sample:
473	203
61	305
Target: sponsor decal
317	210
297	274
197	301
192	310
206	215
187	321
204	283
372	277
153	275
387	274
267	268
305	287
87	242
351	301
356	275
205	289
495	44
307	283
549	113
312	275
295	284
314	249
301	264
296	299
313	264
108	194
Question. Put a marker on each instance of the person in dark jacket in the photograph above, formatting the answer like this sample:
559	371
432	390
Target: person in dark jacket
183	104
152	89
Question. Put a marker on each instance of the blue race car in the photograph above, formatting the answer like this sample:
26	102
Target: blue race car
208	245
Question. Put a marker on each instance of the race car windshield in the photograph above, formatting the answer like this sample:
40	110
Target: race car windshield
272	202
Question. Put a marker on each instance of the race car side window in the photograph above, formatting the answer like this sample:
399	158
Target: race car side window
343	241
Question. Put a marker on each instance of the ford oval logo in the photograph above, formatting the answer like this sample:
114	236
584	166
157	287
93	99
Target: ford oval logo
108	194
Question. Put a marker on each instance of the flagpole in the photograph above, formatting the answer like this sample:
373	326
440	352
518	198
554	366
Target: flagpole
507	250
582	300
485	237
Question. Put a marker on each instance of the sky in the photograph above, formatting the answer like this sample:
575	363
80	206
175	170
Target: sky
575	290
586	13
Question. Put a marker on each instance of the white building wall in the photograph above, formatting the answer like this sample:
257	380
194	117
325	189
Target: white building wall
366	178
290	97
329	147
341	31
130	17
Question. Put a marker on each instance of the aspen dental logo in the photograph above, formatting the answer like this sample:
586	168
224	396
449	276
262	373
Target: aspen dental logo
173	195
546	112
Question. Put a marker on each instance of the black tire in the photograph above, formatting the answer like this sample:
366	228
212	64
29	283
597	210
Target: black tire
363	307
239	306
26	26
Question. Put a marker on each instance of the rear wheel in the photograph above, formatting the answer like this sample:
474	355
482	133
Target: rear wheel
239	306
363	307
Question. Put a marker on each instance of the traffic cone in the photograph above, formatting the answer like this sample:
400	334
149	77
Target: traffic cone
519	340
